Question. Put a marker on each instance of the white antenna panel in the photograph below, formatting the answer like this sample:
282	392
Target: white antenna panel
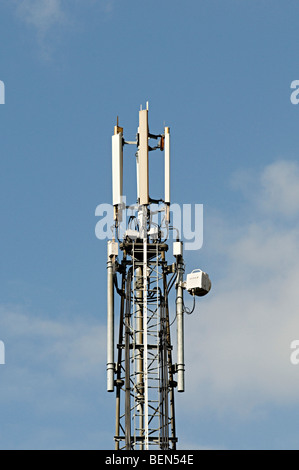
143	158
167	165
117	168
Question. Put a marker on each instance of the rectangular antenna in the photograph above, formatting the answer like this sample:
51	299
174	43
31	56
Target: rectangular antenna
142	176
117	165
167	165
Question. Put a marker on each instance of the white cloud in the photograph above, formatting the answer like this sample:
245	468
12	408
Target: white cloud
274	191
50	19
42	14
54	381
45	14
280	188
73	348
43	17
238	340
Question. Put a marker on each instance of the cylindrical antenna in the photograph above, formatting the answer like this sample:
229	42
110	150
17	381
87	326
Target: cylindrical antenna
180	325
110	322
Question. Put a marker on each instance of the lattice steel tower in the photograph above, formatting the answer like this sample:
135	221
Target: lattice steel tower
142	371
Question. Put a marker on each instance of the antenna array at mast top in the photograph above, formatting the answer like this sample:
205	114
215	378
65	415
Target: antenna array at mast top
143	374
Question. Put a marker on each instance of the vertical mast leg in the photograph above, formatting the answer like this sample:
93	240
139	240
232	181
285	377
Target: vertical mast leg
170	365
119	381
145	345
180	326
139	361
127	363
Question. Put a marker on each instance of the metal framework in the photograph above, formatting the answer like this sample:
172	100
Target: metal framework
144	368
143	373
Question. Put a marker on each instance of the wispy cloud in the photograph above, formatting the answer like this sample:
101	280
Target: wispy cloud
44	17
49	19
41	14
238	346
280	188
54	370
75	347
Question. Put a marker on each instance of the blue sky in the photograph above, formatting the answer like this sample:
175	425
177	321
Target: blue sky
219	74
